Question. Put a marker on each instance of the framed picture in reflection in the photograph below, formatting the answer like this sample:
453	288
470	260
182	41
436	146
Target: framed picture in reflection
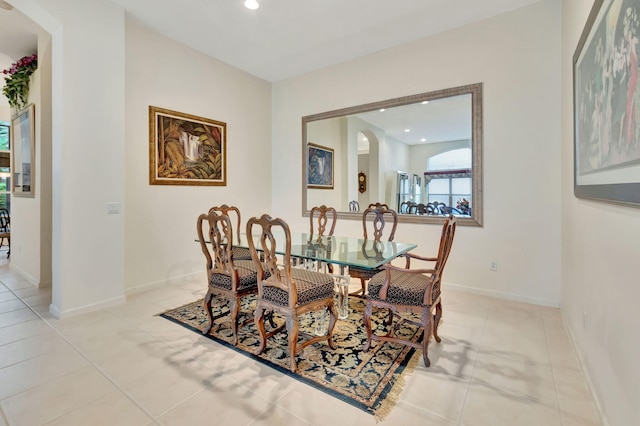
23	148
319	167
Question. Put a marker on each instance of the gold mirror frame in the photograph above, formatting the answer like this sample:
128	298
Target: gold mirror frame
475	90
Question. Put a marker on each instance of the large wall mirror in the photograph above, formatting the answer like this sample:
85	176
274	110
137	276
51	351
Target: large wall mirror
421	155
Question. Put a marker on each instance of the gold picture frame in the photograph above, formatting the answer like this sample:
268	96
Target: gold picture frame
185	149
23	152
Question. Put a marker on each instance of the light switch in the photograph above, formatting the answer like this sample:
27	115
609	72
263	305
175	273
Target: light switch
113	208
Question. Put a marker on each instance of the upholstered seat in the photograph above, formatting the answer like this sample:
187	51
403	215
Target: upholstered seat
246	276
288	291
405	290
311	286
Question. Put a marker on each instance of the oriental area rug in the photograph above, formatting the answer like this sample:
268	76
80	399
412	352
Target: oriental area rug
370	381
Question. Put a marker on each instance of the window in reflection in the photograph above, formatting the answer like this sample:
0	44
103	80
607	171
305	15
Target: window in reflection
448	181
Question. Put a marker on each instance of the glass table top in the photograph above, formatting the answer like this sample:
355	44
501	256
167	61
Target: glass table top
347	251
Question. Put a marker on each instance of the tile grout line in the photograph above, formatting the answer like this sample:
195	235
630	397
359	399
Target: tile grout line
553	370
84	356
466	394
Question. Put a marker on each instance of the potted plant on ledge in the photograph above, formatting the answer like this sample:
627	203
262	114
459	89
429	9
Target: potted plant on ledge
17	80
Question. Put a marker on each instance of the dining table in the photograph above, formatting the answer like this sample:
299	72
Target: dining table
344	251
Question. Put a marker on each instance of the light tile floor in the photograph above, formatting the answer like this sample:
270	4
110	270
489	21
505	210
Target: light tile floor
499	363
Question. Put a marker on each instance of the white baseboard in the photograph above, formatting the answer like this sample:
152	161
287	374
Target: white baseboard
59	314
23	274
500	295
587	376
169	281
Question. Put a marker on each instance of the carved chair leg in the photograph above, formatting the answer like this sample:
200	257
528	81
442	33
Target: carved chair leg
269	316
427	326
436	321
207	308
259	320
389	322
293	326
333	317
367	325
234	311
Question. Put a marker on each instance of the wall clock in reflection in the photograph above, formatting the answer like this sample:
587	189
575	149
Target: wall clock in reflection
362	182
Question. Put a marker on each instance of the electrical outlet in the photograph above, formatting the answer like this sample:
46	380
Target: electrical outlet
493	266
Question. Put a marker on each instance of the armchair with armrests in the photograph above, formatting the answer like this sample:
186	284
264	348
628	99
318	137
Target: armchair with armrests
401	290
288	291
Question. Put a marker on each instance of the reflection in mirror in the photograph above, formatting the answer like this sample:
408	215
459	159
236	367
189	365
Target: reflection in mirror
420	154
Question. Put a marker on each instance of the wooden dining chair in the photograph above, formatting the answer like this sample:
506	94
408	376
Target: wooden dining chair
227	277
374	220
285	290
406	290
321	218
239	253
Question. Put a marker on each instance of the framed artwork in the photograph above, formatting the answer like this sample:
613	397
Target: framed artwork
319	167
606	104
185	149
23	152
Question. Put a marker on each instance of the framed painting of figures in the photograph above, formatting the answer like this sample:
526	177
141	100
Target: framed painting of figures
319	167
606	85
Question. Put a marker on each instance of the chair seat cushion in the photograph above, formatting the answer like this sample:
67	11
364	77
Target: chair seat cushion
311	286
246	273
241	253
365	273
405	288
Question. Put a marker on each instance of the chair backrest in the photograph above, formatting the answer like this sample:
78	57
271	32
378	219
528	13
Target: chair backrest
380	214
219	233
5	220
354	206
279	277
230	211
322	216
446	241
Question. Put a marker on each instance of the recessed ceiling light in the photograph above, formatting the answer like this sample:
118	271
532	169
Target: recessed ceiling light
251	4
423	140
381	109
407	130
425	102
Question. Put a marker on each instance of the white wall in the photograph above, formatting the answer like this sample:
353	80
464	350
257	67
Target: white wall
517	57
600	272
87	98
161	219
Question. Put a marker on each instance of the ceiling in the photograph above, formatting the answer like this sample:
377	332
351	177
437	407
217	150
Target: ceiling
283	38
